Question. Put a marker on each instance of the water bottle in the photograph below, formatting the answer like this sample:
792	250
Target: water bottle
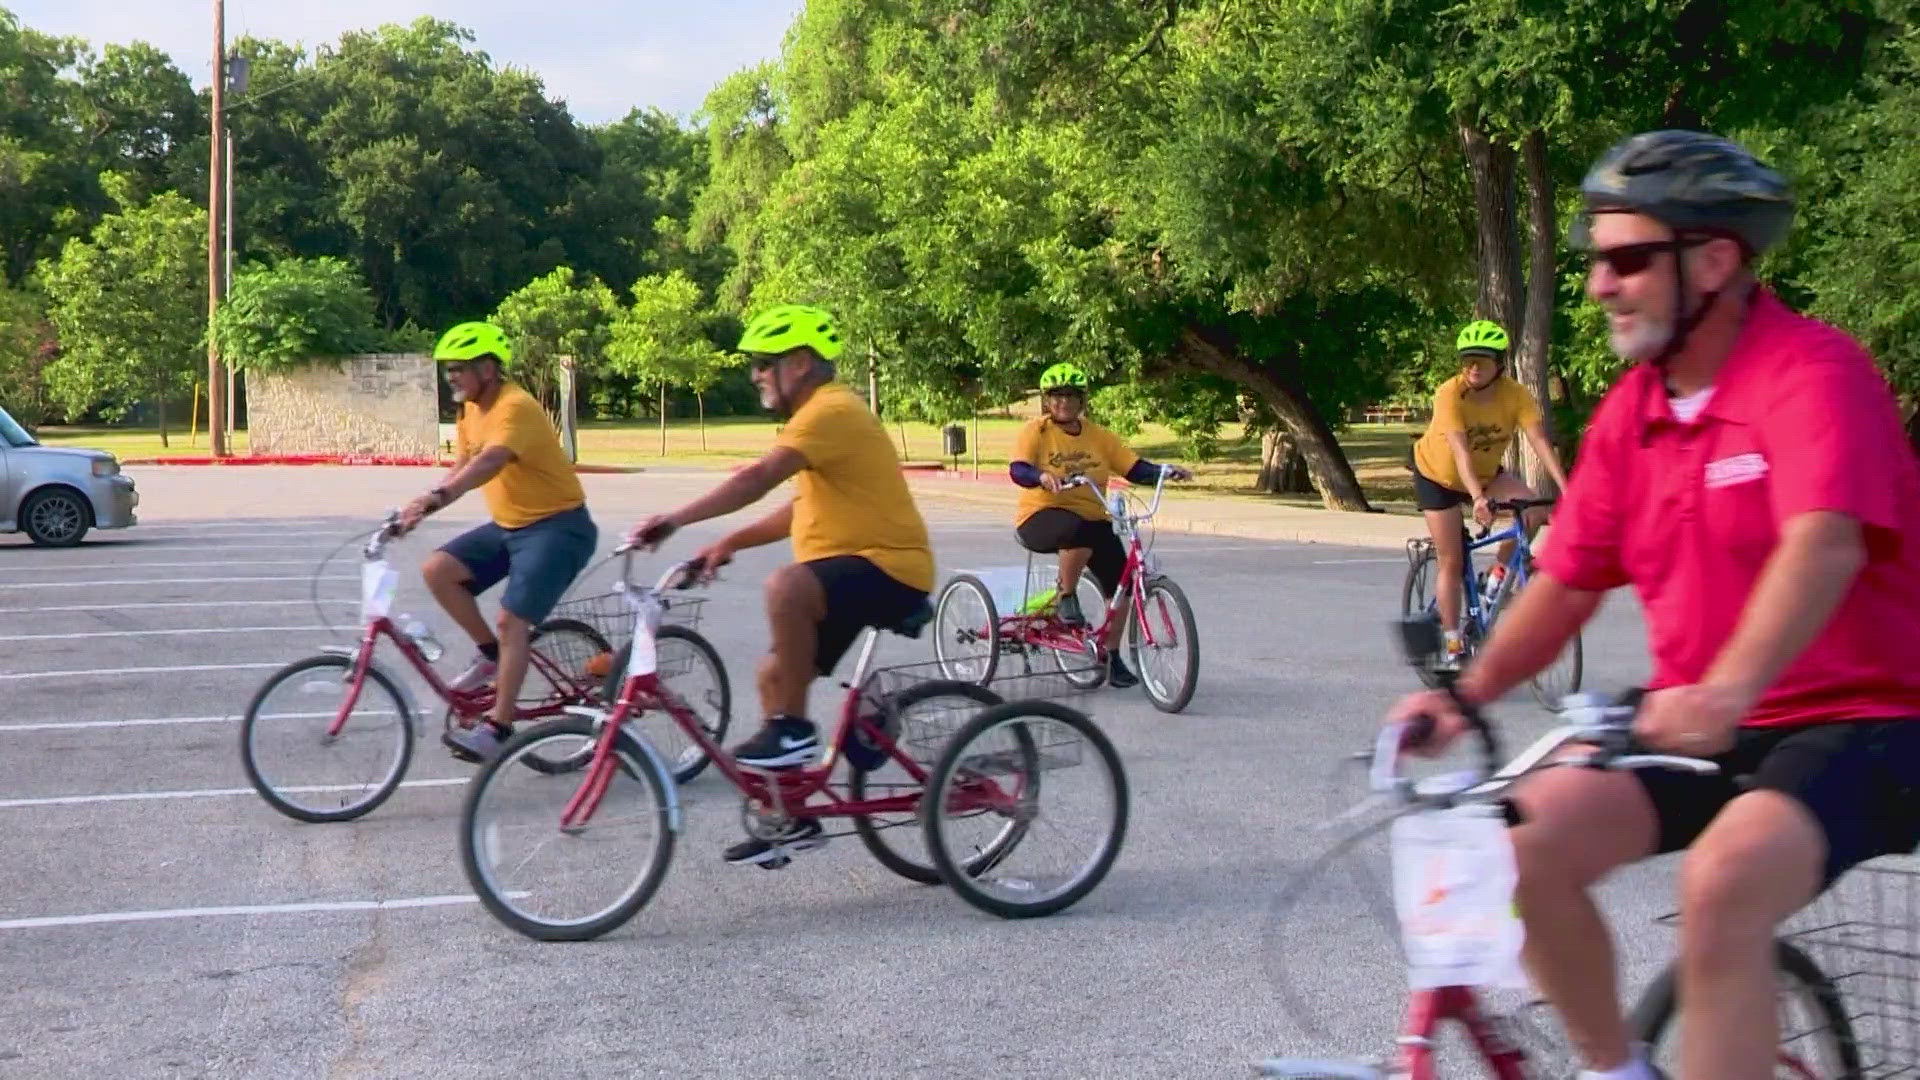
422	637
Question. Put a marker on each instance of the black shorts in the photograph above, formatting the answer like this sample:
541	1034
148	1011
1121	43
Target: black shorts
859	595
1860	779
1053	529
1430	494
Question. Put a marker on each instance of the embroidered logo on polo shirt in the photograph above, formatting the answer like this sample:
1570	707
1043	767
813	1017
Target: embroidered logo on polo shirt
1738	469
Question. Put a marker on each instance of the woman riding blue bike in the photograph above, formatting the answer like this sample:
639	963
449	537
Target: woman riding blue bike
1457	461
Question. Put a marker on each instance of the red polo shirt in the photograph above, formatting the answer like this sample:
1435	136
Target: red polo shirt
1800	419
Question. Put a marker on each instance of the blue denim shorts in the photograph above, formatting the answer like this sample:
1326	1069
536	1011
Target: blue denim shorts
537	561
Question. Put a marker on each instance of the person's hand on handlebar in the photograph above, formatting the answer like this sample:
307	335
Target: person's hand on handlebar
1175	472
1483	509
1441	711
652	532
711	558
1050	483
1694	721
412	514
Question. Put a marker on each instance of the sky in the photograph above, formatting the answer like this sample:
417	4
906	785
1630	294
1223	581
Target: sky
602	57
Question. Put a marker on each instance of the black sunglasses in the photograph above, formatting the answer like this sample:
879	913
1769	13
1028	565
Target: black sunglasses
1630	259
458	369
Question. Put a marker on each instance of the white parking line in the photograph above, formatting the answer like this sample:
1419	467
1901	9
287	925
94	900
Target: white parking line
1352	562
148	581
175	604
155	633
84	672
202	793
59	567
153	721
287	534
43	921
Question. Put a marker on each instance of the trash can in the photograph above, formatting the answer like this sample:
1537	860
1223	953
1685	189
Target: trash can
956	439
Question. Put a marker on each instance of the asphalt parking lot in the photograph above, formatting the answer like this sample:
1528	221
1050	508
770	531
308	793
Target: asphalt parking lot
159	920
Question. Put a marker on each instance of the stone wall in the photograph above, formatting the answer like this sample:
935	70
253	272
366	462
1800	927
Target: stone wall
385	404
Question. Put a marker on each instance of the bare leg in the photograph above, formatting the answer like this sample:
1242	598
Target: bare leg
1758	862
1073	562
447	579
1506	486
515	634
796	605
1579	825
1444	527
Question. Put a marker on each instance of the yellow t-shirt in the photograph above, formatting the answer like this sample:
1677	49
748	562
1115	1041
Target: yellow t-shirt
851	498
539	482
1489	426
1096	453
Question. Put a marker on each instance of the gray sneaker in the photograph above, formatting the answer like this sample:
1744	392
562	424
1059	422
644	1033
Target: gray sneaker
479	744
479	674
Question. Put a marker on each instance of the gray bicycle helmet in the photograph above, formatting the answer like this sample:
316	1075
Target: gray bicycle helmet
1698	185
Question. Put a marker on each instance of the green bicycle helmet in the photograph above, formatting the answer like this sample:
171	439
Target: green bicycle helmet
1482	335
1064	376
786	327
471	341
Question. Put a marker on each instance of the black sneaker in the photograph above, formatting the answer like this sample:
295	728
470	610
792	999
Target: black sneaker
803	834
785	741
1118	676
1069	611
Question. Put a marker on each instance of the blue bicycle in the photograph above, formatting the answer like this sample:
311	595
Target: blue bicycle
1479	607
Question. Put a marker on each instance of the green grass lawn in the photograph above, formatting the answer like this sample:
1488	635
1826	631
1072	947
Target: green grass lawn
1376	450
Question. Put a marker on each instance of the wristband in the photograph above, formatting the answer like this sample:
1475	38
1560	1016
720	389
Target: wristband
440	498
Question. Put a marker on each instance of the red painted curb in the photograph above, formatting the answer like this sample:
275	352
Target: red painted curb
339	459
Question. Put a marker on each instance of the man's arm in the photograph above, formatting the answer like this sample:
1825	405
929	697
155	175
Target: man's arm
1527	638
742	489
1819	557
775	526
475	471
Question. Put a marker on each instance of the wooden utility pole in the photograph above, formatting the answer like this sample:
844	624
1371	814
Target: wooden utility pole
216	376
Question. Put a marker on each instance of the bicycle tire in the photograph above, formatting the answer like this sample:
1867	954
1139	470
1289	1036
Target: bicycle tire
1167	699
687	759
950	665
634	762
249	728
1659	1004
940	789
595	643
875	836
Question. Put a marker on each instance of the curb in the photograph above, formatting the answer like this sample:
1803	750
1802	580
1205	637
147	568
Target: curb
340	459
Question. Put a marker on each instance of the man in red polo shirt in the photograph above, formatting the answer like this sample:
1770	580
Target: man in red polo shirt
1749	478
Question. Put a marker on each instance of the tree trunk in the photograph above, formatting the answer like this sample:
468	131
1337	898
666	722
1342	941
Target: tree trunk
663	419
1499	297
700	398
161	399
1530	360
1283	468
1326	463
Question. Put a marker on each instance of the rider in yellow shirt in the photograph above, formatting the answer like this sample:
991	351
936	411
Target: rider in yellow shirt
861	554
1073	521
1457	461
540	537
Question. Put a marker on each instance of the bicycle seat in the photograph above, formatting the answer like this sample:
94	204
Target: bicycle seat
911	626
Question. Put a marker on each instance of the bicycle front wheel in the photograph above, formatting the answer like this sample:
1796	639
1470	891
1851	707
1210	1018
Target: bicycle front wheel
567	880
1816	1038
303	768
1166	650
985	798
691	667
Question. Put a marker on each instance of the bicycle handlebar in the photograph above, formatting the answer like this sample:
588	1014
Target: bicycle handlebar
1153	507
1516	507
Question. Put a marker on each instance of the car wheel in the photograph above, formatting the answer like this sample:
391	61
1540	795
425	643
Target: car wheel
56	517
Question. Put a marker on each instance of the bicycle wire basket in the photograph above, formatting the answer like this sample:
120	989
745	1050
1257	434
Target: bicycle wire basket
1864	935
611	616
924	720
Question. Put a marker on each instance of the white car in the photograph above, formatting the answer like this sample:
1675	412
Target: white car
55	494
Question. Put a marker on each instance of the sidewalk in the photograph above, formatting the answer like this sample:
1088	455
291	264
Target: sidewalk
1207	515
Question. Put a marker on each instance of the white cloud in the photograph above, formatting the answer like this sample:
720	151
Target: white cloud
601	56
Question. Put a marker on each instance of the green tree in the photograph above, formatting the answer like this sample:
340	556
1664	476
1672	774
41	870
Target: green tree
27	345
560	314
660	340
294	312
41	180
129	304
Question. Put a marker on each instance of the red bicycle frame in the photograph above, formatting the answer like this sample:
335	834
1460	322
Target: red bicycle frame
1046	631
1425	1011
788	789
475	702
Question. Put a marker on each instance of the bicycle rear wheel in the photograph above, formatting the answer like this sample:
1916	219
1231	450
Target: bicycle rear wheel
308	774
691	667
575	882
925	714
984	798
966	630
1816	1038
